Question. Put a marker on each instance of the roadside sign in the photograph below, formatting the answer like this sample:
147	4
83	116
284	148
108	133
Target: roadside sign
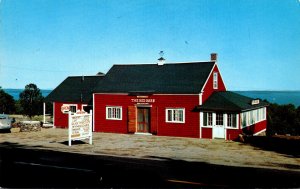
80	126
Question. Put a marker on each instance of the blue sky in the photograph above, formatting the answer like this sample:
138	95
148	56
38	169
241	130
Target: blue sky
44	41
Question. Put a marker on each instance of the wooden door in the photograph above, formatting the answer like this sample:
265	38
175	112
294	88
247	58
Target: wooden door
132	119
143	120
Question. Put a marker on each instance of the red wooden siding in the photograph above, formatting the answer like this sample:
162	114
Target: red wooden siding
158	114
233	134
206	132
208	88
61	119
255	128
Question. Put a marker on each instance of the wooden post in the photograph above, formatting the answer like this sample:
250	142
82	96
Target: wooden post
70	128
91	126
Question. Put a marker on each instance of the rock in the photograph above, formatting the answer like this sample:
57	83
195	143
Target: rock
30	126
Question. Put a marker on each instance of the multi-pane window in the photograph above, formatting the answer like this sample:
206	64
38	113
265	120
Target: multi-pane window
175	115
219	119
114	113
207	119
73	108
231	120
215	80
253	116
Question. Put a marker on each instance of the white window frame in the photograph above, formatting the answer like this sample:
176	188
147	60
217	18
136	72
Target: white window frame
172	115
215	80
116	115
218	120
82	106
234	116
207	119
252	117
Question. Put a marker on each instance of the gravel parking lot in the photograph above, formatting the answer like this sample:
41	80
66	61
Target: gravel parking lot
217	152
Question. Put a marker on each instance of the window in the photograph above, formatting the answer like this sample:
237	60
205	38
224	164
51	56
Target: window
253	117
215	81
73	108
219	119
231	120
207	119
114	113
175	115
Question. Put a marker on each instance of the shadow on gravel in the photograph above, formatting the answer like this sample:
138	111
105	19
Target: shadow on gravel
27	167
75	142
285	146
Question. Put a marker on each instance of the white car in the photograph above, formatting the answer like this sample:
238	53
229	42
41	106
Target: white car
5	122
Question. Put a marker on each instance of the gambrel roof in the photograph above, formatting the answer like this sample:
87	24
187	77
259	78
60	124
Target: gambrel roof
75	89
170	78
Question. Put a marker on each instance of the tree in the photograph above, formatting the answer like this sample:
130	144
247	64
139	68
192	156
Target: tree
283	119
7	102
31	100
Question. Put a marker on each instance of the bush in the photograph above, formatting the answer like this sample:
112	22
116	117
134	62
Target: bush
283	119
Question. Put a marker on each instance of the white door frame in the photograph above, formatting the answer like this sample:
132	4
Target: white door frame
219	131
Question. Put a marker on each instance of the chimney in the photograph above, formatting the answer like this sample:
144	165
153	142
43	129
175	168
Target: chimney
213	57
161	60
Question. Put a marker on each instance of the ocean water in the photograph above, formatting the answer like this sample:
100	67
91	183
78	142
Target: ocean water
279	97
16	92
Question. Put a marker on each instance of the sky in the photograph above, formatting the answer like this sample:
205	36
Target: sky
45	41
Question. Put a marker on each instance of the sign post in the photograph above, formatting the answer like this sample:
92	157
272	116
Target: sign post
80	126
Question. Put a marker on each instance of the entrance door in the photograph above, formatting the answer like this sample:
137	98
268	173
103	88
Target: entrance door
143	120
218	128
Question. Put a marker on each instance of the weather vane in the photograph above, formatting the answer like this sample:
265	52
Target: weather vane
161	53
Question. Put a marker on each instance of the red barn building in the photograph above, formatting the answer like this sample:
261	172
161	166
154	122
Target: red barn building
174	99
73	94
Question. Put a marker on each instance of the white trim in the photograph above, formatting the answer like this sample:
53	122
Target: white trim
211	71
225	132
200	98
221	77
219	73
54	114
94	110
83	105
255	134
215	80
236	119
117	107
251	117
172	109
200	123
140	133
200	116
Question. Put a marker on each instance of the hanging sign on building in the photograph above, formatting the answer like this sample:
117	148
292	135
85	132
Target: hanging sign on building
80	126
65	108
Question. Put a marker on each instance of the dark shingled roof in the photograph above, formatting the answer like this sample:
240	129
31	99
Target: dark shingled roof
75	89
171	78
229	101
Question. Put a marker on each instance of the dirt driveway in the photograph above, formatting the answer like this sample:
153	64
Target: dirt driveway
217	152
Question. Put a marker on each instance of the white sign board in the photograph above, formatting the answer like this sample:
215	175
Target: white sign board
80	126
